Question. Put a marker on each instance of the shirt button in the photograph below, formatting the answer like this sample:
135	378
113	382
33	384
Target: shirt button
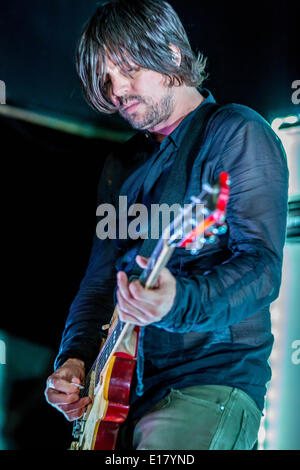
222	407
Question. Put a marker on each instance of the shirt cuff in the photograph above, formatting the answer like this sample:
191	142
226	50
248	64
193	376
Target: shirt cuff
172	321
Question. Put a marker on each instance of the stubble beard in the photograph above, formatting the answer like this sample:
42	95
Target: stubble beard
154	114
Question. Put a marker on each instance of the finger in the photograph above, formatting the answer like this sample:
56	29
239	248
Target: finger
134	320
135	317
153	295
127	315
141	261
76	381
59	398
135	308
62	385
123	285
72	415
123	305
142	294
78	405
134	291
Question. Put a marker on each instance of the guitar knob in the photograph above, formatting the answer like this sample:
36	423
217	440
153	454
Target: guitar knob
222	229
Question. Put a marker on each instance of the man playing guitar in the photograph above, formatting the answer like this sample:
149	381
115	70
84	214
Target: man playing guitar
202	367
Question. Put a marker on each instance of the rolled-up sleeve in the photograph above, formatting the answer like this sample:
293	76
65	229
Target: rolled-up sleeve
256	216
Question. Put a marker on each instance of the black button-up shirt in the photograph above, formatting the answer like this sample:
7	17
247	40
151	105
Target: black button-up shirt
218	330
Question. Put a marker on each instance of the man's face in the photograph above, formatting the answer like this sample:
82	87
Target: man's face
145	100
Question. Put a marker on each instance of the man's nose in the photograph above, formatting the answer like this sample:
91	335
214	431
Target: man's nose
120	88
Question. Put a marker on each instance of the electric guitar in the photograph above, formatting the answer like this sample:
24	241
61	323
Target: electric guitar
108	382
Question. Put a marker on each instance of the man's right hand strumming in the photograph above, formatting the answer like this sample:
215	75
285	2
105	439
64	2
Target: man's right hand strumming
63	387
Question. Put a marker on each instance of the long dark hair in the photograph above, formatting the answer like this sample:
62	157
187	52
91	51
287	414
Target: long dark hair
139	32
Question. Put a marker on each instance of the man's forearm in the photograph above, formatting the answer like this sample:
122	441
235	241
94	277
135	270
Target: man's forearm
229	294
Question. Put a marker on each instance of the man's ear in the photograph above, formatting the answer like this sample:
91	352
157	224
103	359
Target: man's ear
176	54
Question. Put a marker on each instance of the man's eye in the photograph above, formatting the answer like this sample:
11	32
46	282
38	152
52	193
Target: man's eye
131	71
135	69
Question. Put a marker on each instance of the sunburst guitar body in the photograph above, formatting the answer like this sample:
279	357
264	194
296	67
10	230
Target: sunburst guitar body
98	429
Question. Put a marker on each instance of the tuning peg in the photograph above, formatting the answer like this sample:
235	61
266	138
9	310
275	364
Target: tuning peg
222	229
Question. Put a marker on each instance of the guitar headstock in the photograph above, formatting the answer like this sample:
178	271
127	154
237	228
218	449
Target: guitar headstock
196	223
203	219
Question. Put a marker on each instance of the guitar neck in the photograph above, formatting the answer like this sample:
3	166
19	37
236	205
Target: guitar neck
156	263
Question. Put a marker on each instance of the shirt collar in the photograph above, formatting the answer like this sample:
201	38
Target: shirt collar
177	135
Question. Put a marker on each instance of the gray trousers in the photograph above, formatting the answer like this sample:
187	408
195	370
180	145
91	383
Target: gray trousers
204	417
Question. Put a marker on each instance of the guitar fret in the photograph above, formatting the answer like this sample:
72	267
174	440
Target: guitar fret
107	349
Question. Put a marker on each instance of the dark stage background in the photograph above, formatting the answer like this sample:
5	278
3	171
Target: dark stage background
51	175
